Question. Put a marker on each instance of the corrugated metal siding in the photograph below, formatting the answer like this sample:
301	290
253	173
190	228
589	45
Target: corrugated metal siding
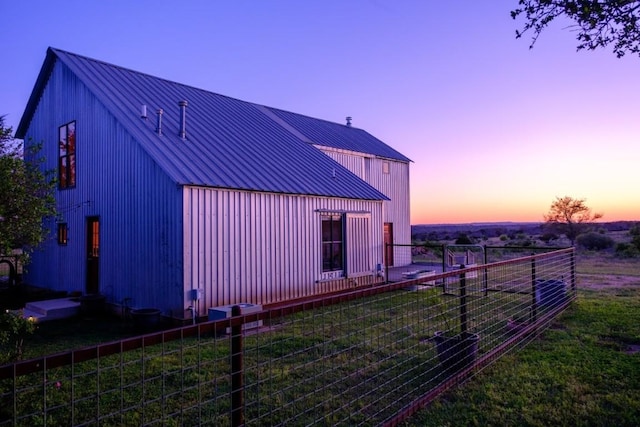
138	206
262	247
360	261
394	185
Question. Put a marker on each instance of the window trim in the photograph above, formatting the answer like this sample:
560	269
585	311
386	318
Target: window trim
68	179
63	234
335	269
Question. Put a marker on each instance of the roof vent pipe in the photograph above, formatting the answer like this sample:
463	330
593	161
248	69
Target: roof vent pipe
159	125
349	121
143	112
183	119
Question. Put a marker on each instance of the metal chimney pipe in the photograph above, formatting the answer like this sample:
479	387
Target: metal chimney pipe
183	119
143	111
159	123
349	121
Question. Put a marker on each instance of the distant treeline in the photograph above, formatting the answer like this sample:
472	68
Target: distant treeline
427	232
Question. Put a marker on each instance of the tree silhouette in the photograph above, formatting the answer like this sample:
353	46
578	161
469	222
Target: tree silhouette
570	217
598	23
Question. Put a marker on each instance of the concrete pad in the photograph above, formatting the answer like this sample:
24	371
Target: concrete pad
53	309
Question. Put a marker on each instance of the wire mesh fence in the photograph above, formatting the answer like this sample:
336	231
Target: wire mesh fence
367	357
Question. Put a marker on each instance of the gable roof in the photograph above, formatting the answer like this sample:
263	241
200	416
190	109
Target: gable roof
334	135
230	143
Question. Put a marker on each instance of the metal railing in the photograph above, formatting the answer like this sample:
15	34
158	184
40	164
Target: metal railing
371	356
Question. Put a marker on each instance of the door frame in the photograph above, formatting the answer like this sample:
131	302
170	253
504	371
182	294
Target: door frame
387	234
92	283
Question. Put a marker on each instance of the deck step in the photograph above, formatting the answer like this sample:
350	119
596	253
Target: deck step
52	309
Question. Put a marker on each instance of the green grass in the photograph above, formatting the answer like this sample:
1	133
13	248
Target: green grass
580	372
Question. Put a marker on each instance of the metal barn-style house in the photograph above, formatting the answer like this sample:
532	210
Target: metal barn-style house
173	197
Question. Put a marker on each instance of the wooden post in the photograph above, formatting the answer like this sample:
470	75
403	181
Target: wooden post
237	371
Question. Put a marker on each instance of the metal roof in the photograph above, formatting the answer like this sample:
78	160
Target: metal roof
335	135
230	143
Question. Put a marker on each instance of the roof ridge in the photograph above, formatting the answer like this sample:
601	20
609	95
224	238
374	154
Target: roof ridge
142	73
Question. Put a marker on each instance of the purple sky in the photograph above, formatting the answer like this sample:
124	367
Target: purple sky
496	131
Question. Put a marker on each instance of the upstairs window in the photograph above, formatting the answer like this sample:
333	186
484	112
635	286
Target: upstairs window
385	167
67	155
332	243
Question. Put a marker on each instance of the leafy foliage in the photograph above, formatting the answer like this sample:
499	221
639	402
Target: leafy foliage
635	236
598	23
631	249
464	239
627	250
595	241
570	217
13	330
26	194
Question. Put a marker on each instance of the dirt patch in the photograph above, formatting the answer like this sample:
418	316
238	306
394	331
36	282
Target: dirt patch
607	281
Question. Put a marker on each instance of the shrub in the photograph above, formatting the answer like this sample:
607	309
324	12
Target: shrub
463	239
627	250
594	241
548	236
635	236
13	330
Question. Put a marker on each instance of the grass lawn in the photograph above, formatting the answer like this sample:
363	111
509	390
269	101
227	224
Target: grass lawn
585	370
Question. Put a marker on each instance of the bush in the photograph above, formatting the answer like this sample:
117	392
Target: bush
635	236
594	241
464	239
13	330
548	237
627	250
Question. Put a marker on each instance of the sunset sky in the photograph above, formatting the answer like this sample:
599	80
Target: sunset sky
496	131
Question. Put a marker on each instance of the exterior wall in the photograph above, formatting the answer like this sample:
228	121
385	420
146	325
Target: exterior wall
139	209
264	248
394	185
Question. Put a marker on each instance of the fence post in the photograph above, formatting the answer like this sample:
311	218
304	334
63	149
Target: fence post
237	371
485	278
573	272
386	262
444	268
534	305
463	302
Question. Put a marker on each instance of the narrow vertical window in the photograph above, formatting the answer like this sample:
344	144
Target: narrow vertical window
67	155
62	233
385	167
332	243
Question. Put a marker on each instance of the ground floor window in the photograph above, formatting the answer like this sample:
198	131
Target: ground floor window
62	233
332	243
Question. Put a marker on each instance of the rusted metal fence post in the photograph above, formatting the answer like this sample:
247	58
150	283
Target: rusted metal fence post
386	262
534	305
573	273
237	371
444	268
485	271
463	302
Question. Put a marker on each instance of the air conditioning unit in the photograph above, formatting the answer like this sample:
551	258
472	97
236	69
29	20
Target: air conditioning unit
224	312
